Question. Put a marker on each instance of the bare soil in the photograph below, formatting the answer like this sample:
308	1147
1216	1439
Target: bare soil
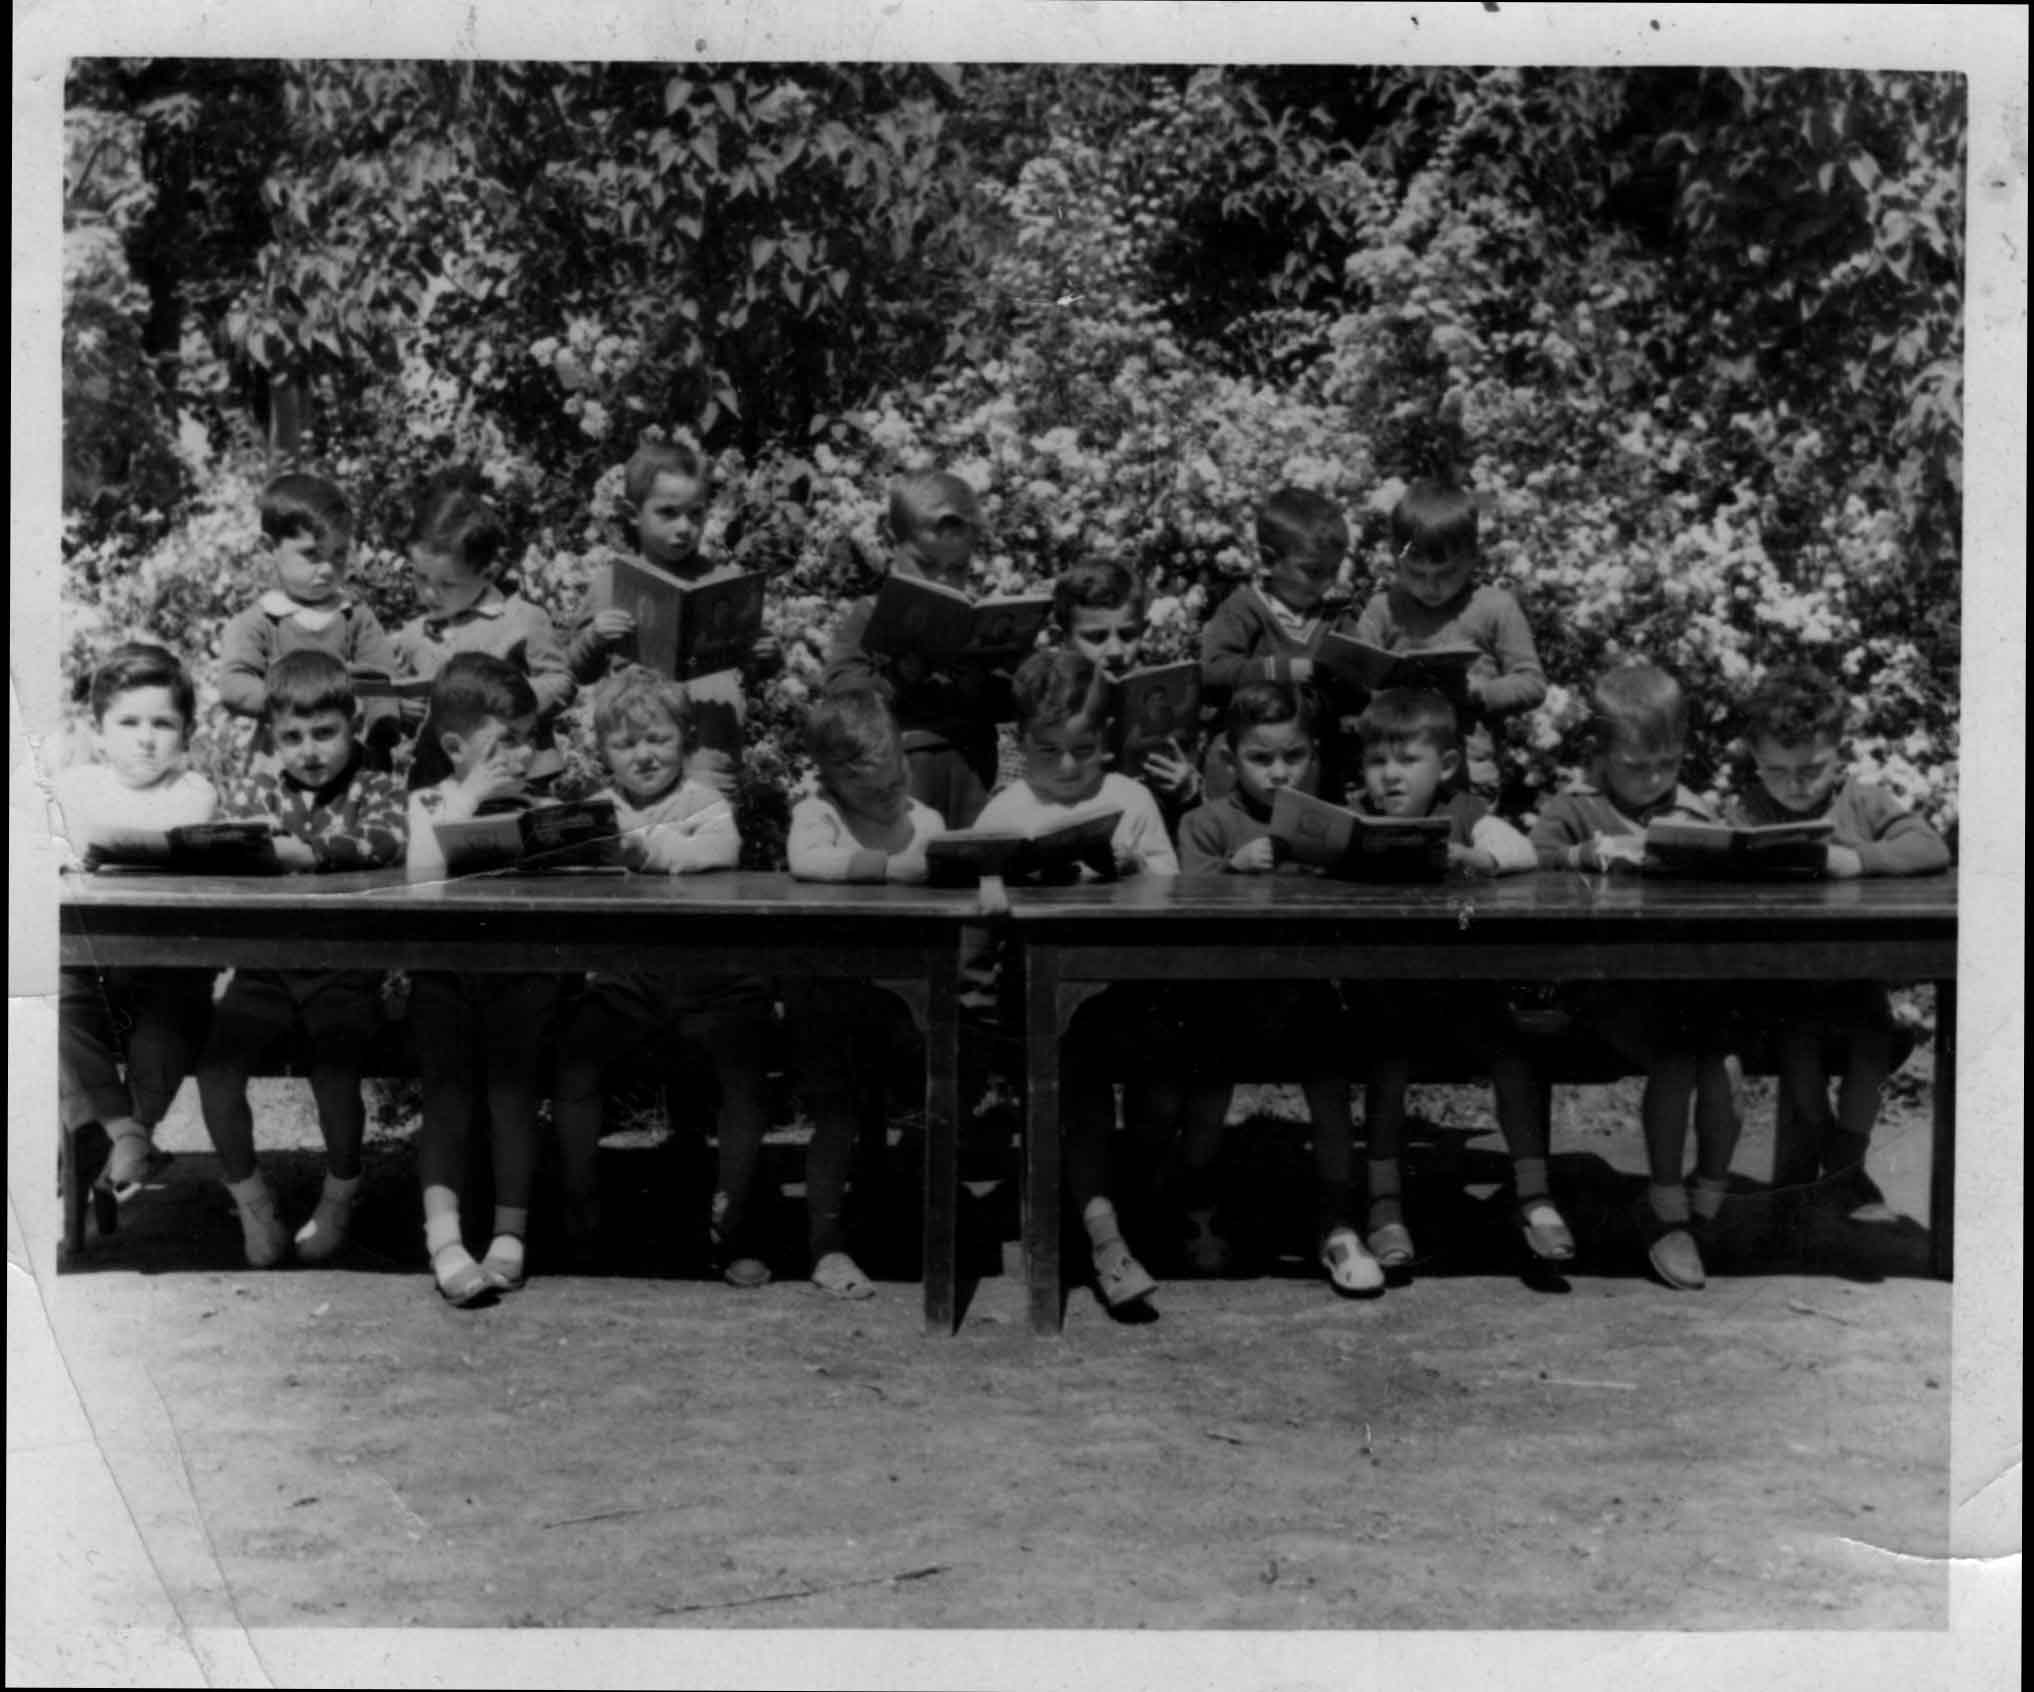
1482	1447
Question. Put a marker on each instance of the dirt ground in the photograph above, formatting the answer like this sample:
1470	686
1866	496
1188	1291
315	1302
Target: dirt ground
1480	1448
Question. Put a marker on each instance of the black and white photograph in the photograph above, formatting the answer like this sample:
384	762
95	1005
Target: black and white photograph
1051	845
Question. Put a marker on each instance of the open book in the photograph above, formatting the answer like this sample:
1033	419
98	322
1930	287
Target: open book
370	683
944	625
1445	669
1149	710
1680	847
582	835
685	629
961	857
213	848
1348	844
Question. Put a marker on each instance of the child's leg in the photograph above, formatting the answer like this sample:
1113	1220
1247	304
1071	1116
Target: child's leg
516	1013
1522	1118
255	1015
1716	1133
1204	1112
1349	1262
163	1013
606	1024
1384	1129
341	1012
1088	1117
736	1032
448	1033
90	1085
827	1020
1670	1082
1799	1054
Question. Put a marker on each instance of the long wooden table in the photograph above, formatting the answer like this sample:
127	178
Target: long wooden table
1549	927
906	939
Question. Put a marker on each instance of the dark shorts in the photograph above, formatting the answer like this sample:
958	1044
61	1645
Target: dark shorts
338	1011
726	1016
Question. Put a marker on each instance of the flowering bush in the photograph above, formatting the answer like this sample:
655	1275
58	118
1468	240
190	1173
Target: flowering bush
1449	295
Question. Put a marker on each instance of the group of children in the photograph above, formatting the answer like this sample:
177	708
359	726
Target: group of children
903	748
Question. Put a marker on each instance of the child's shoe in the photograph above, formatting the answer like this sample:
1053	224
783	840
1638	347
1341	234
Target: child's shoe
133	1161
261	1223
841	1276
1675	1256
1352	1270
738	1267
1545	1230
1207	1252
1388	1238
1119	1277
319	1240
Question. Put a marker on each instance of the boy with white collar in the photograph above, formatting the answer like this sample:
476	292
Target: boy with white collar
309	530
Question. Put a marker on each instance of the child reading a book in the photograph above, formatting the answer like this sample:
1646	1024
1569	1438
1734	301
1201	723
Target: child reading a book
673	823
331	812
1271	629
947	712
1411	756
1794	724
1268	736
308	528
1098	607
142	702
456	546
1434	602
1676	1033
482	1032
666	489
861	825
1060	707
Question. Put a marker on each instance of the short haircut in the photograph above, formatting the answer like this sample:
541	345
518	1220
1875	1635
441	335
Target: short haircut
455	519
1051	688
1096	584
662	458
1298	519
637	698
300	503
472	688
306	682
137	664
851	730
1266	704
1642	703
1400	715
1795	707
1434	520
913	497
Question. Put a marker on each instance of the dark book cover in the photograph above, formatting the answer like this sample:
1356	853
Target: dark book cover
1725	853
1444	669
685	629
213	848
369	683
945	626
1354	847
581	835
961	857
1150	710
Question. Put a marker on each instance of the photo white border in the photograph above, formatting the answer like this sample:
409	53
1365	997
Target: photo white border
1983	42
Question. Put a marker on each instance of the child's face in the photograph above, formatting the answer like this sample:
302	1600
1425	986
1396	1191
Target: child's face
314	746
1434	581
511	740
1300	579
1402	778
672	517
1063	762
311	567
645	759
943	548
1109	635
1271	757
445	586
874	790
1799	778
141	736
1639	773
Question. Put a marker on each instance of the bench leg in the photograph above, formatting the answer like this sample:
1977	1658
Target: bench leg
1942	1152
942	1145
1041	1140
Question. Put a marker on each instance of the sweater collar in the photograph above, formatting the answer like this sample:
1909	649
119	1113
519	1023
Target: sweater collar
322	796
279	605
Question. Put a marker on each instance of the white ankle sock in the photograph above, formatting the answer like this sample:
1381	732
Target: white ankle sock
322	1236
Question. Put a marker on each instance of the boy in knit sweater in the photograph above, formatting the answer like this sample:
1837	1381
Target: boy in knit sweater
672	824
1794	726
666	486
331	813
1435	601
309	530
1271	629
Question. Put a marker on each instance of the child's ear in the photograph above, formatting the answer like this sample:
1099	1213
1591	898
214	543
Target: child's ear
1451	763
453	744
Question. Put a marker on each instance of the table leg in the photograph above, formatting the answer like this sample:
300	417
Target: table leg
1942	1155
1041	1138
942	1143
